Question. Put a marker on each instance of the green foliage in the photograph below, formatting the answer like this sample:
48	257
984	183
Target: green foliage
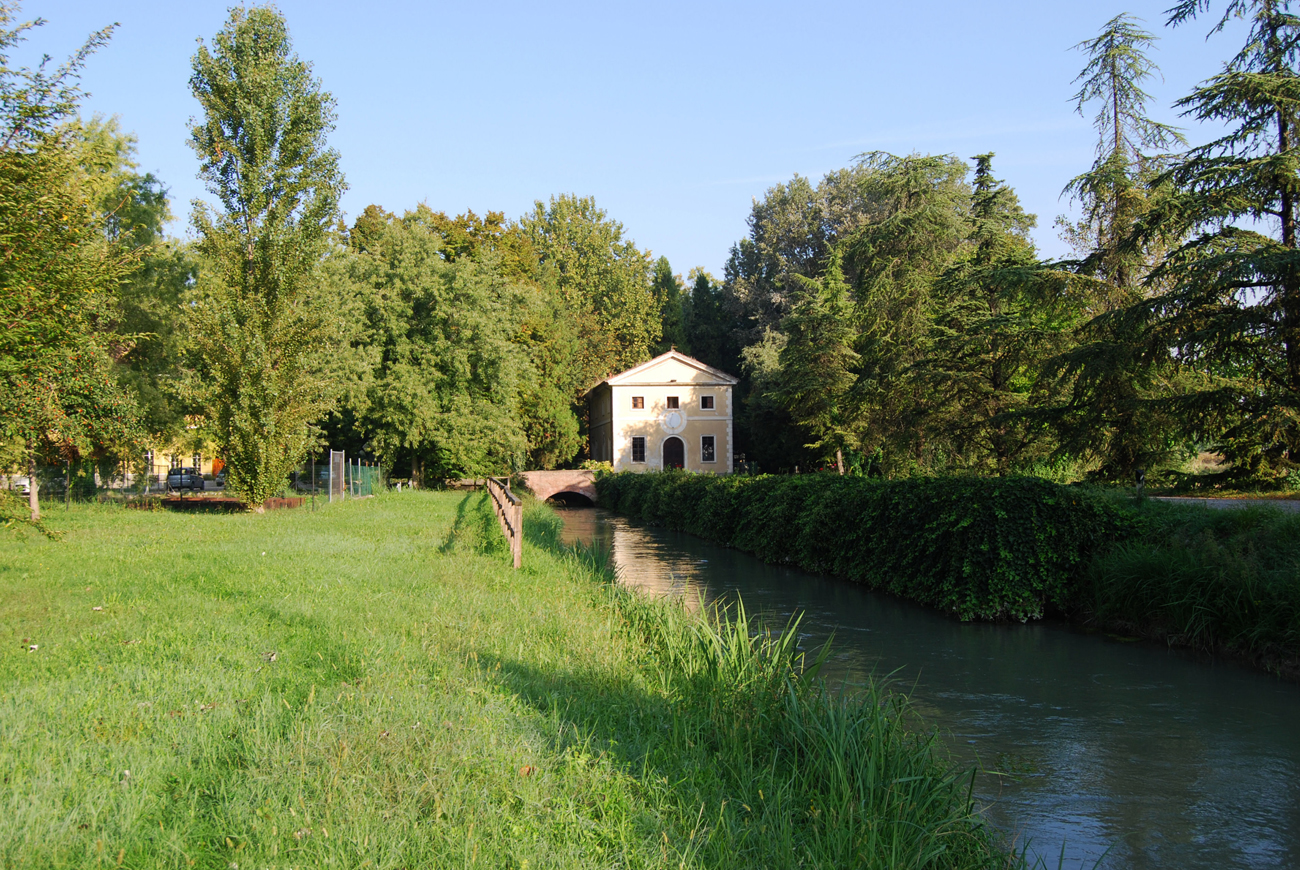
1227	298
1213	579
262	147
57	272
1110	387
1115	192
148	323
997	316
604	281
16	518
708	328
1010	548
817	362
457	368
671	298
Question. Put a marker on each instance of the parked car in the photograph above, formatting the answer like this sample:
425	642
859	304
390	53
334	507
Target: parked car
21	484
185	478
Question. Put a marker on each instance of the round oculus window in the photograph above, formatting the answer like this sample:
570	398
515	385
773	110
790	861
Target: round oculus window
672	421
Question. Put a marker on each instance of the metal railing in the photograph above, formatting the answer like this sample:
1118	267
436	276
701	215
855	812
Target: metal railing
510	514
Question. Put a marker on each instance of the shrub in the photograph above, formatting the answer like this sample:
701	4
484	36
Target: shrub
979	548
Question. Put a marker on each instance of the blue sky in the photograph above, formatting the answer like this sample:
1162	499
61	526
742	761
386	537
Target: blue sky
672	115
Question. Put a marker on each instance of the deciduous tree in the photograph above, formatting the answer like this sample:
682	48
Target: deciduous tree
262	148
57	274
603	279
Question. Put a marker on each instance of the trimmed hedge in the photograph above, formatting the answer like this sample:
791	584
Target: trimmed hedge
979	548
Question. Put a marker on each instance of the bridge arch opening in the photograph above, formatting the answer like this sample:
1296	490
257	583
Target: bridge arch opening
570	499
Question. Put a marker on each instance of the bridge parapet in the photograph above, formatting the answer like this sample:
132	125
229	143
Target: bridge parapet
547	484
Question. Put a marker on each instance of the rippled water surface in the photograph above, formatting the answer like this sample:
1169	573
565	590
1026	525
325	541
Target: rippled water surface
1163	758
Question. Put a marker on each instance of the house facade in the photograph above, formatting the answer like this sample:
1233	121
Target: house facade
670	412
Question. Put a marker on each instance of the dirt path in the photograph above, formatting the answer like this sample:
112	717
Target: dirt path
1226	503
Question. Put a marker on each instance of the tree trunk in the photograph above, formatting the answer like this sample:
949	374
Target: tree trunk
33	498
839	460
1290	289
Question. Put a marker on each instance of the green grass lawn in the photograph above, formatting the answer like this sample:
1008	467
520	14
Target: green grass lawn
370	685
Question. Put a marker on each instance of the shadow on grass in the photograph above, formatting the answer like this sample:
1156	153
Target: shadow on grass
475	528
588	716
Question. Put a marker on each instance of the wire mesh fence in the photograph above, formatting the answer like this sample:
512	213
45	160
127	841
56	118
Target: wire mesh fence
331	477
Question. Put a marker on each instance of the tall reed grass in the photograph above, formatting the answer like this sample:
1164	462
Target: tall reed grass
811	777
1212	579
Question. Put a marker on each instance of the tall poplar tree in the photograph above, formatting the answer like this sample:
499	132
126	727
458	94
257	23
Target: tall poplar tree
1231	310
262	147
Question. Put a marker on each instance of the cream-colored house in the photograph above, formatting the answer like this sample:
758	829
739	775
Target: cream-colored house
671	412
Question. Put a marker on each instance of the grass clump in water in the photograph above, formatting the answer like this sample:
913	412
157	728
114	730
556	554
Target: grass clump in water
372	685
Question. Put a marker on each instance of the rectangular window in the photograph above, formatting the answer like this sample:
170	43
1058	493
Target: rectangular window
638	402
706	403
638	449
706	449
672	401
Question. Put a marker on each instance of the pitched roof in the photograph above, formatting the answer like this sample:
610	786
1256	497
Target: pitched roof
631	374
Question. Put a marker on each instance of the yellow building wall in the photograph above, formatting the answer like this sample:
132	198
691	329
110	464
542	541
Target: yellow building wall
613	420
649	422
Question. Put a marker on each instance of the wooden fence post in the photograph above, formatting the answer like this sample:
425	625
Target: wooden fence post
510	515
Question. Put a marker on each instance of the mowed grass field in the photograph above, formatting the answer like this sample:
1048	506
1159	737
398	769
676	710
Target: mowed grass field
371	685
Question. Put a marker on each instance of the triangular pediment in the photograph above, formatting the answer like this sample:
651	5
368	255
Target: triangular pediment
671	367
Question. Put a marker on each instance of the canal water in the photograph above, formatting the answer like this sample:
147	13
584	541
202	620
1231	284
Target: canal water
1121	752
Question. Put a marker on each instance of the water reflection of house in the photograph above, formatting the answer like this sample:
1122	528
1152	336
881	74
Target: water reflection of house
641	559
671	412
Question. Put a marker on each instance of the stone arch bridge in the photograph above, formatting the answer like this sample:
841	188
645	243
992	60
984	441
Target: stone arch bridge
552	484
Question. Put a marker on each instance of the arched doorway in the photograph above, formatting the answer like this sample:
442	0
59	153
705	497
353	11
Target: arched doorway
674	453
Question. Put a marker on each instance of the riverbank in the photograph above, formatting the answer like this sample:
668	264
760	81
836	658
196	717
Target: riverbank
373	683
1221	581
1011	549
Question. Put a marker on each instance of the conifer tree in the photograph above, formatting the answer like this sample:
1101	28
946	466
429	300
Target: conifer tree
992	325
817	362
667	289
1114	192
708	328
1229	310
1112	411
918	227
